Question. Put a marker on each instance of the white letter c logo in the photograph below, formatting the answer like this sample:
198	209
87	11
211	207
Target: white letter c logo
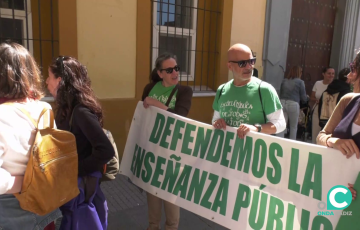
332	198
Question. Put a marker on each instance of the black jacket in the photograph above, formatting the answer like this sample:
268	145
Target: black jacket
93	147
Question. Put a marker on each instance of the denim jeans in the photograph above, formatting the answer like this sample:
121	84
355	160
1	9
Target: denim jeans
13	217
291	111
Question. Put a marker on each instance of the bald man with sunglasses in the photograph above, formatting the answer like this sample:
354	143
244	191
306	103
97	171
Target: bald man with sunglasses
247	102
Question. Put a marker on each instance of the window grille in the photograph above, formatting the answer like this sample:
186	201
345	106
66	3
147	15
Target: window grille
33	24
188	29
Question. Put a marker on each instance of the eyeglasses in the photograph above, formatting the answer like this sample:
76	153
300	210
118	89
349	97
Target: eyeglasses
352	67
170	70
243	63
60	62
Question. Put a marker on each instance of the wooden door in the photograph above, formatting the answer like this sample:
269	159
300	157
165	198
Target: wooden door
310	38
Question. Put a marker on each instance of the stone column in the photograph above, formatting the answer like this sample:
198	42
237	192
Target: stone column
277	26
346	34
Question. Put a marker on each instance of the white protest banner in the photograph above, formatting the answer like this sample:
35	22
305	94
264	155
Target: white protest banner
260	182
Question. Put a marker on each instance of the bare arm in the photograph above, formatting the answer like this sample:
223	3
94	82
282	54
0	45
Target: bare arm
153	102
313	98
347	146
147	101
17	184
276	124
268	128
326	134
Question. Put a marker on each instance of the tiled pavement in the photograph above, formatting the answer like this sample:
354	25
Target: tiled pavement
128	209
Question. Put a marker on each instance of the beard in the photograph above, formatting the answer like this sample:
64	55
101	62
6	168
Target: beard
243	76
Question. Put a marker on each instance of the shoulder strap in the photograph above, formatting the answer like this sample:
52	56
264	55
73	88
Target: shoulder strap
171	95
354	97
35	123
46	120
27	114
221	92
147	90
72	114
262	106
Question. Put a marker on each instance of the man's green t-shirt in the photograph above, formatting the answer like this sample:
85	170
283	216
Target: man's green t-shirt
238	105
162	93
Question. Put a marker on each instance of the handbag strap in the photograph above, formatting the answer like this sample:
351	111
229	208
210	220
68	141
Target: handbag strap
72	114
171	95
48	122
25	112
221	90
262	106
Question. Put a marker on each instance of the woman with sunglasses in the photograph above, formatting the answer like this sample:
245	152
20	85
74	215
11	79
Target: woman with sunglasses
318	89
79	112
292	91
164	92
342	131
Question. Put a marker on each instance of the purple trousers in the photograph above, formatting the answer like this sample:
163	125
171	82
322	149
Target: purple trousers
89	209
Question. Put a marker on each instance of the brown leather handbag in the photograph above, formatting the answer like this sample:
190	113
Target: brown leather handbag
51	176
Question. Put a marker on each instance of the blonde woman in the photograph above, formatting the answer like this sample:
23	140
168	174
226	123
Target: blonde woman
292	91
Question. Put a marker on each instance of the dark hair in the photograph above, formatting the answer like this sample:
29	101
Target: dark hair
154	76
325	69
343	74
74	88
356	64
295	72
19	74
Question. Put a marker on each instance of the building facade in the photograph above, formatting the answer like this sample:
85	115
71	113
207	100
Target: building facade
312	34
119	40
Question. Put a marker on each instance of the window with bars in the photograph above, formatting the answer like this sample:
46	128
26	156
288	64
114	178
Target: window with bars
187	28
16	22
33	24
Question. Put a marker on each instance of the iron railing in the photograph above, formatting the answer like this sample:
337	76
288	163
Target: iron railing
188	29
31	24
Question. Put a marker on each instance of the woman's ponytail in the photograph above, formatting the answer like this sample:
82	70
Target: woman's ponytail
154	76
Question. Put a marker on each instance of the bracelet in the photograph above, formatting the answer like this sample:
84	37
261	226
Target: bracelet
327	141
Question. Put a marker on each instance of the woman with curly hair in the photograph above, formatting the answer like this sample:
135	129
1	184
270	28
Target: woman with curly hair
79	112
342	131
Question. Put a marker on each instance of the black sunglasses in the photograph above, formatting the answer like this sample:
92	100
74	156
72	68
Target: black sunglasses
170	70
244	62
352	67
60	62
